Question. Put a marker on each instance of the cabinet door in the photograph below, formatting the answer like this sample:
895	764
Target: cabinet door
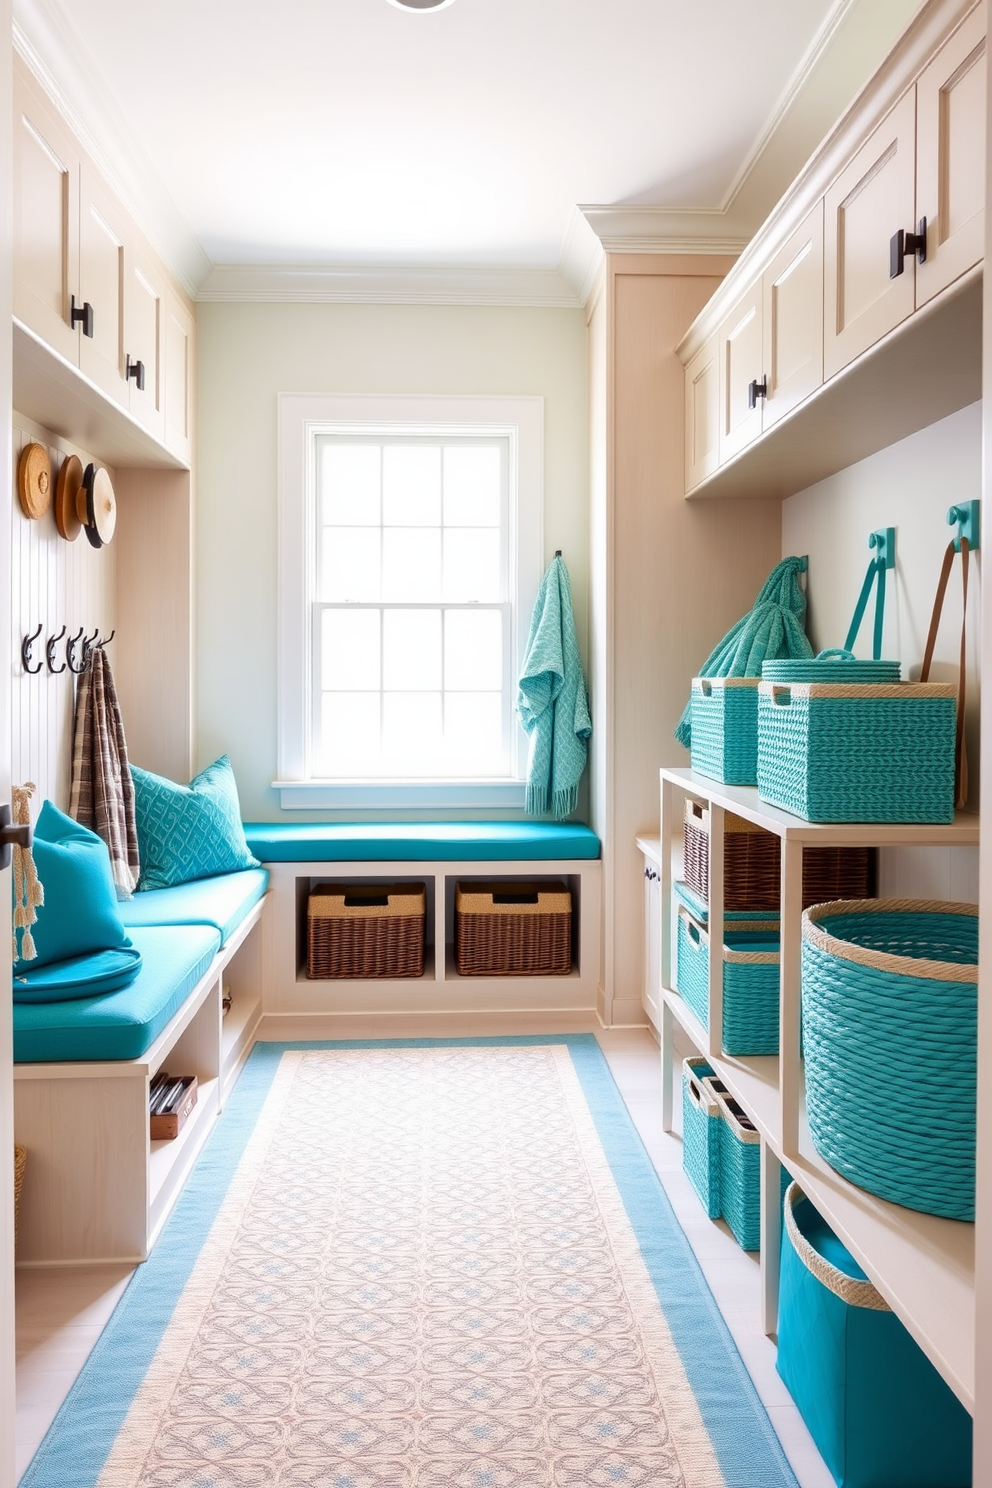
702	415
950	157
102	230
652	942
143	333
739	343
179	356
46	220
870	201
792	289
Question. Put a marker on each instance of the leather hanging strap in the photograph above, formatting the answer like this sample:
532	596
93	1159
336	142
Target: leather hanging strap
960	747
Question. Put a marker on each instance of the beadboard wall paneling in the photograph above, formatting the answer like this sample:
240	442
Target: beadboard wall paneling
57	583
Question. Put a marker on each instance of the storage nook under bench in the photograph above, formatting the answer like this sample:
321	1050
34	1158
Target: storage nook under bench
440	857
99	1188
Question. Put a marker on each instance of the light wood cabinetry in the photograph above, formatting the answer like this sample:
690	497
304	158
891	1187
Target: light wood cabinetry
901	187
702	414
871	199
950	157
87	285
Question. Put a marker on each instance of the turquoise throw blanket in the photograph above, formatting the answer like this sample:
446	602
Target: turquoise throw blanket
774	629
552	701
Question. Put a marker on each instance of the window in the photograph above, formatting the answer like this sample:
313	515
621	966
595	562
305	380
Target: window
410	553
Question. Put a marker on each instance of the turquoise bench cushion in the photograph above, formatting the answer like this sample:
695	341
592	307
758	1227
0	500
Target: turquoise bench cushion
369	842
223	902
119	1025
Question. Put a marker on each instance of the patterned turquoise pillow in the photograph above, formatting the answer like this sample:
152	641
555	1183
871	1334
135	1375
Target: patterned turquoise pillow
189	831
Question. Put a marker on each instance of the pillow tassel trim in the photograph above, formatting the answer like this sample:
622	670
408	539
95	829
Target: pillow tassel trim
29	892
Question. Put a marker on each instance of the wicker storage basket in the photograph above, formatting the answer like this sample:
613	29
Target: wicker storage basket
20	1159
366	930
878	1411
878	753
750	982
513	929
889	1013
701	1134
752	859
725	728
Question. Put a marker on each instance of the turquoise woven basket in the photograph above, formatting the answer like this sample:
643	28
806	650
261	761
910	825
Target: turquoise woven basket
725	729
740	1171
889	1023
831	666
878	753
750	981
701	1134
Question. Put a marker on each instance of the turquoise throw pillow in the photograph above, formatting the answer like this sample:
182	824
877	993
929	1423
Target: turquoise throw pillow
189	831
80	914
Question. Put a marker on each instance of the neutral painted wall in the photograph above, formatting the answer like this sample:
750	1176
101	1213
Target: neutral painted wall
910	487
250	352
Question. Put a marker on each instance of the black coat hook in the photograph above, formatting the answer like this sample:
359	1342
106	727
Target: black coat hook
50	651
70	647
88	645
26	645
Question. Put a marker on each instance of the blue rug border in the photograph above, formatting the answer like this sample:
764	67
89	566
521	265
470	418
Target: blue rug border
80	1438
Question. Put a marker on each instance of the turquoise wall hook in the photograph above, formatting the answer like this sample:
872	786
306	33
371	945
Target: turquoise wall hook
967	515
884	543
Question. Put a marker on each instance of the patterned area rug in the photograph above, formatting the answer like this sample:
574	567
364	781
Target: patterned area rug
443	1265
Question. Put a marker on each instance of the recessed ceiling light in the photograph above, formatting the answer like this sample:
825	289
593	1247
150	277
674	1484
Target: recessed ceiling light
421	4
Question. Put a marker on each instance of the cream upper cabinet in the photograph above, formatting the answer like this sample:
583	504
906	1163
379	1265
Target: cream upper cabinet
792	312
144	323
702	415
871	200
950	157
179	349
740	349
46	220
103	230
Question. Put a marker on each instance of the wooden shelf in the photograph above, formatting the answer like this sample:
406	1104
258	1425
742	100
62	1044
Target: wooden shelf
923	1265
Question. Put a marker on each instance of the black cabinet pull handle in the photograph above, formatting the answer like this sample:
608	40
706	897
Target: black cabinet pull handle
904	242
137	371
84	313
756	390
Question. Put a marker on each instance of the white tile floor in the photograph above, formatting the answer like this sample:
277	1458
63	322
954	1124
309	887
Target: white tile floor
61	1311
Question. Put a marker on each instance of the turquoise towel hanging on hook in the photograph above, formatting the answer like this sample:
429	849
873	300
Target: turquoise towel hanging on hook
884	543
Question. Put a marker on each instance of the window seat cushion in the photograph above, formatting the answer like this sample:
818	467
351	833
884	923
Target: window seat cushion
122	1024
361	842
223	902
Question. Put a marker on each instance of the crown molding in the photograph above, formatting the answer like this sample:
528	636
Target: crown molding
386	285
621	229
57	56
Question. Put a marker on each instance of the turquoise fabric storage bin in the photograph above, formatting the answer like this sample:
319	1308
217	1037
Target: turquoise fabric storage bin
878	1411
890	1030
750	981
700	910
725	728
850	753
701	1134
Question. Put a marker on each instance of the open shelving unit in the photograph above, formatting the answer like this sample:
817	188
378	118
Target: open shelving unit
923	1266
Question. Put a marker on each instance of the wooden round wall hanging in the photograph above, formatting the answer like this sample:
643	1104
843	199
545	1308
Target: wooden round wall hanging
66	492
100	518
34	480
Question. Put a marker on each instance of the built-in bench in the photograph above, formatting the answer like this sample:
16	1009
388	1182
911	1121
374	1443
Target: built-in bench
100	1188
439	855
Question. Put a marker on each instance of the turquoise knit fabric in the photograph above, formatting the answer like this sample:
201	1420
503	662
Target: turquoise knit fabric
552	701
773	629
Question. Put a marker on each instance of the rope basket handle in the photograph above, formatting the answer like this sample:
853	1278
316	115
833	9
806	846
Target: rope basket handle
960	746
847	1288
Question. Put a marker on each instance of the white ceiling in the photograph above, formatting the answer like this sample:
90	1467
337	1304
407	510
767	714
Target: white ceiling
329	133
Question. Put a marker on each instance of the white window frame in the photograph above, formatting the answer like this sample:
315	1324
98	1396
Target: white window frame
300	417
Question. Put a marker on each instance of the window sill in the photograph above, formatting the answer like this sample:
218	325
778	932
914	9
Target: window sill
385	795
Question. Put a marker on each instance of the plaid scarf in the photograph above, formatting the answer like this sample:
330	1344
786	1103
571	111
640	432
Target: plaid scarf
102	794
